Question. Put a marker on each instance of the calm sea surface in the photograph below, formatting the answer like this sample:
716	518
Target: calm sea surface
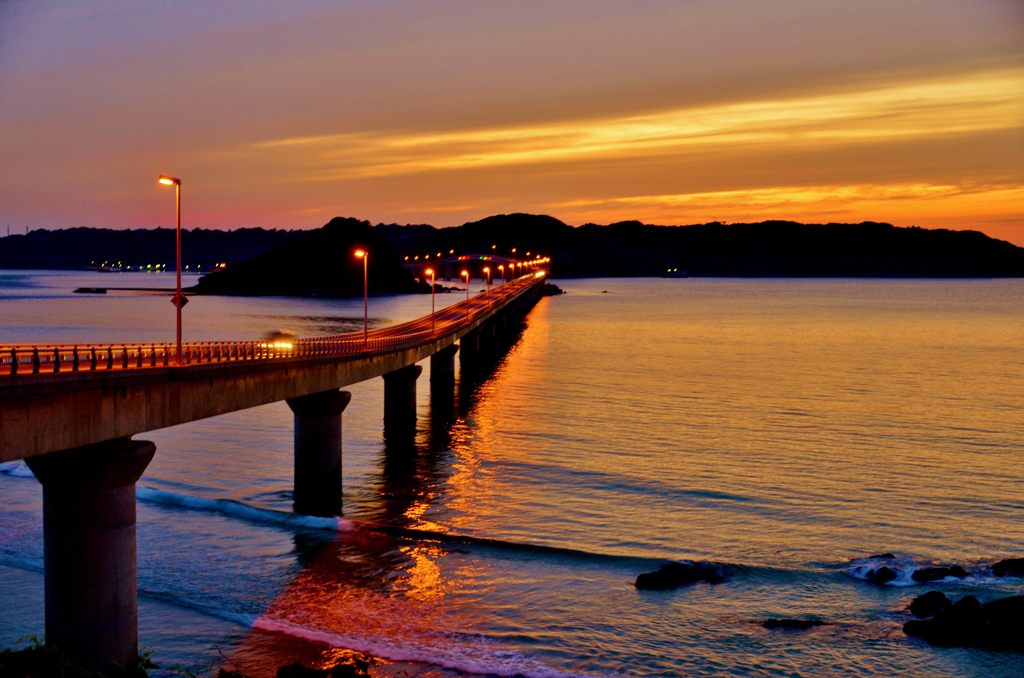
784	430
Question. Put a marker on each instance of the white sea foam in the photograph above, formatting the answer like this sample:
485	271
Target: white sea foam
473	655
237	509
20	561
904	568
247	620
867	568
18	469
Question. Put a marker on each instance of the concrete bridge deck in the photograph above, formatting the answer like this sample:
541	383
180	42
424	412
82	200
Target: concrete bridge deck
70	410
58	397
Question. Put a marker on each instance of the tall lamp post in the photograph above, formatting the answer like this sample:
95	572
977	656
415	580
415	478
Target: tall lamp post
366	295
178	300
465	274
430	272
501	267
487	270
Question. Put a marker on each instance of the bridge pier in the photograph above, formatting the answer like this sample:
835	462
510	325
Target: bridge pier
470	353
318	451
442	364
89	548
400	398
470	344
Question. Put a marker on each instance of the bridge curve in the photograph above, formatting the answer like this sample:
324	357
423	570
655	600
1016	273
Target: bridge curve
475	264
61	396
70	410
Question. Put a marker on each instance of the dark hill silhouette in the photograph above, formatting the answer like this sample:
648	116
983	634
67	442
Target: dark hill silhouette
629	248
766	249
790	249
408	237
323	262
524	232
79	248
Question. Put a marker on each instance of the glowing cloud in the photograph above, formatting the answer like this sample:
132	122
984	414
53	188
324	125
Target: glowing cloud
967	104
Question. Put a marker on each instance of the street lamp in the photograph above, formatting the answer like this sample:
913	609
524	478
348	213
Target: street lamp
487	270
366	295
178	300
430	272
465	274
501	267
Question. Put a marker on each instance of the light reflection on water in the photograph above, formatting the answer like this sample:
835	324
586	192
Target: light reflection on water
783	427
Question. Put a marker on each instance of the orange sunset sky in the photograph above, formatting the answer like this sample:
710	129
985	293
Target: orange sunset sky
283	114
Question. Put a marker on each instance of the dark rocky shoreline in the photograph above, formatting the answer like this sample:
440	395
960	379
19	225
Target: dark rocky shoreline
44	661
995	625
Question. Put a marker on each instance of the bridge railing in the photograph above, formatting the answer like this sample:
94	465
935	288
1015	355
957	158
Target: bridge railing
24	359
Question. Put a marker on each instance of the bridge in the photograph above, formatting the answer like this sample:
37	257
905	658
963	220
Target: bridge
70	411
488	266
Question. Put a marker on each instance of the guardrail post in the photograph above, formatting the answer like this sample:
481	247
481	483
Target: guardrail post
14	361
318	451
35	361
76	361
89	548
92	359
56	360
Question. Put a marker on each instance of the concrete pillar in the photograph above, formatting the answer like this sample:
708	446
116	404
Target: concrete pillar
400	397
471	353
442	364
470	344
89	548
318	451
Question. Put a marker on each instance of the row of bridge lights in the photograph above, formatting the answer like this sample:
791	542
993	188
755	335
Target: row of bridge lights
365	256
426	257
179	300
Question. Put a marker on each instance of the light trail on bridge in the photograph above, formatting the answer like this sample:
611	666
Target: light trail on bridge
23	360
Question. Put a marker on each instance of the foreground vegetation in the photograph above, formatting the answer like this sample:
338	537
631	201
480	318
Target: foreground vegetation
46	661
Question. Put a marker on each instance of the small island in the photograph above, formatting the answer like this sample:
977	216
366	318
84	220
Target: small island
321	263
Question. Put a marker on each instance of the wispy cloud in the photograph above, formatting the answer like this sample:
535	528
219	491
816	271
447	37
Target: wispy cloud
965	104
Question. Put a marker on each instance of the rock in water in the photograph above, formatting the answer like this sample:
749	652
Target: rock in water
792	623
937	573
1004	623
929	604
883	575
998	624
674	575
1011	567
550	290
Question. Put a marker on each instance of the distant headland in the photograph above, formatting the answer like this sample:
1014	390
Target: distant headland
262	261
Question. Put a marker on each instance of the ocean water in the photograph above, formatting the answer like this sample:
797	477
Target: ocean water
785	431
